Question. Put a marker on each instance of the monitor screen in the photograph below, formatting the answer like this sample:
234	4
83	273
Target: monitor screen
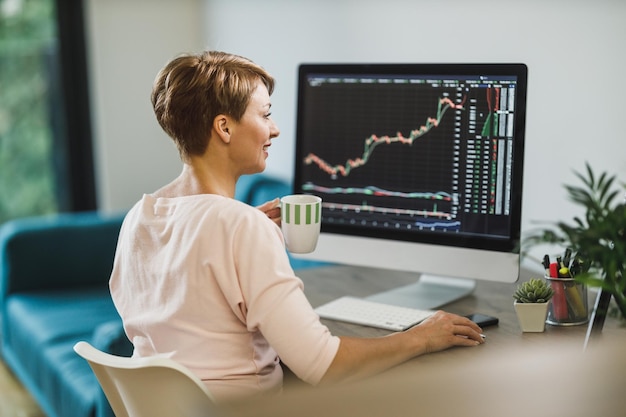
419	166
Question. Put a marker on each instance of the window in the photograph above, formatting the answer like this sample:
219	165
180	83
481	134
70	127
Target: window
46	162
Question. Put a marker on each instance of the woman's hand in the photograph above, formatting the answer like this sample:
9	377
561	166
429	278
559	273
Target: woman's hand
272	210
444	330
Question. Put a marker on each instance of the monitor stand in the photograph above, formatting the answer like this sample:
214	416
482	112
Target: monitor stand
428	293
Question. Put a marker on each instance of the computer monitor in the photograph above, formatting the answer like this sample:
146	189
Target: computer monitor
419	167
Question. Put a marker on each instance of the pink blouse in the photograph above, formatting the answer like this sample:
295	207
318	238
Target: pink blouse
206	281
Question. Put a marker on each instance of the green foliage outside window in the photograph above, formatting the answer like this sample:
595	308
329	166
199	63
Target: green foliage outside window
27	176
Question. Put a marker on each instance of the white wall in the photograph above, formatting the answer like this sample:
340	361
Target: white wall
574	50
128	43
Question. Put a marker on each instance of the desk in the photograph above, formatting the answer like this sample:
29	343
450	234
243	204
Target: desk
512	374
322	285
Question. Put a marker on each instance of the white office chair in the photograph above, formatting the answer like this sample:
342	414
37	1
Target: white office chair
148	387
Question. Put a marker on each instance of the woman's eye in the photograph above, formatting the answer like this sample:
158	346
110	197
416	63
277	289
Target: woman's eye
267	115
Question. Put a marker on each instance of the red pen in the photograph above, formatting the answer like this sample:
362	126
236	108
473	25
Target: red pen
559	302
554	270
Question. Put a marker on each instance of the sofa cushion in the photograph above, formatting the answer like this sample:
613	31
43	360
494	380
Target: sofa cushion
67	381
42	330
54	252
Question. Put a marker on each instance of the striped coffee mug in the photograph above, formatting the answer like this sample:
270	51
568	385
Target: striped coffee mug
301	219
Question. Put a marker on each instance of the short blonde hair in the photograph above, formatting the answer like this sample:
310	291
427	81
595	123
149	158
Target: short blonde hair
191	90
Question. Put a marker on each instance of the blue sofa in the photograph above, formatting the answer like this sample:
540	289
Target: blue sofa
54	274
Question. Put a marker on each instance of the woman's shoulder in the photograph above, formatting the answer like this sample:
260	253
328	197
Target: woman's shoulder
227	210
192	207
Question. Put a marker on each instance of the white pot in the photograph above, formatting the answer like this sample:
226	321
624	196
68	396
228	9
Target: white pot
532	316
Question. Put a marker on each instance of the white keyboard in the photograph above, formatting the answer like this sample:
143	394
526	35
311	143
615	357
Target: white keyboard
373	314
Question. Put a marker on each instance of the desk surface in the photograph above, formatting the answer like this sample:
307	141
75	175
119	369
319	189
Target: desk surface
514	373
495	299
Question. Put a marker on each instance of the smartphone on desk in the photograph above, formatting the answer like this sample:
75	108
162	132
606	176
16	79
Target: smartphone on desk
483	320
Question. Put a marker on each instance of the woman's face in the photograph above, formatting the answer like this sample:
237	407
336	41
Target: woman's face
251	137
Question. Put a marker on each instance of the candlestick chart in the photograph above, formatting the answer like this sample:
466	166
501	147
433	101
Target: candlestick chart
409	171
410	156
373	141
490	127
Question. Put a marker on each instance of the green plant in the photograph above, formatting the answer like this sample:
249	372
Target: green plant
533	291
598	239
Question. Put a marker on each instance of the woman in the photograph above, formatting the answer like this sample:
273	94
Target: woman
205	279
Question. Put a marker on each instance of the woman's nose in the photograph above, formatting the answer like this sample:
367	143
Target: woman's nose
274	130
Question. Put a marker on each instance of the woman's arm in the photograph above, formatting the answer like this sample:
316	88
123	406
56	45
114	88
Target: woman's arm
361	357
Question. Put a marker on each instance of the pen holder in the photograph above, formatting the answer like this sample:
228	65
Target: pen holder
569	302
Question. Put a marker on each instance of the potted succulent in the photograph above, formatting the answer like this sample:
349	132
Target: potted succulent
597	240
532	299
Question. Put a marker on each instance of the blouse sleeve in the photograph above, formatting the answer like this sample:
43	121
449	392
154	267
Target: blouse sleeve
275	302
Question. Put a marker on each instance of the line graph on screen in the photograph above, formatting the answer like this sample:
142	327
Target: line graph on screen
373	141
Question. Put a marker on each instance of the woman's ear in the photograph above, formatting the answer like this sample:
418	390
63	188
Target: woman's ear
222	126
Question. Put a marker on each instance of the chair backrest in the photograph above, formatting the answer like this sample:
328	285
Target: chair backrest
148	387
